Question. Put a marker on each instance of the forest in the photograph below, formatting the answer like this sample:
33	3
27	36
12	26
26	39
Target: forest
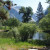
24	33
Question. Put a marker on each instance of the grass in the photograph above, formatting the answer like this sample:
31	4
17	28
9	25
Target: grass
6	43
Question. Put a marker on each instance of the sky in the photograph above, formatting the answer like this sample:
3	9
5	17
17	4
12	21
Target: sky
31	3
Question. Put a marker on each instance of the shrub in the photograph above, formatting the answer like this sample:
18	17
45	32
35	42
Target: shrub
36	42
15	34
47	42
27	31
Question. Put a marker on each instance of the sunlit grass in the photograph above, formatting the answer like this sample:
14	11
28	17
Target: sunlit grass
3	28
6	42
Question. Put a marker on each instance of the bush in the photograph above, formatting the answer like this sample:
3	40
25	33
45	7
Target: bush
27	31
3	34
47	42
36	42
15	34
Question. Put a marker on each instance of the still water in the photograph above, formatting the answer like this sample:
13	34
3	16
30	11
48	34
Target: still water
41	36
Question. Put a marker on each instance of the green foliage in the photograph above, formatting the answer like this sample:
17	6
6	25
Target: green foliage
47	42
36	42
40	13
45	23
11	43
6	41
27	31
22	10
1	0
3	34
47	39
8	2
12	22
27	13
3	28
1	4
14	33
4	13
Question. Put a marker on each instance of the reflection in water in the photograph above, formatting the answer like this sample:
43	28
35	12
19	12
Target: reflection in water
41	36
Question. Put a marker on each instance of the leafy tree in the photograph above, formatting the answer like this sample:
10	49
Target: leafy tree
27	12
14	33
8	2
40	13
1	4
27	31
44	24
12	22
4	13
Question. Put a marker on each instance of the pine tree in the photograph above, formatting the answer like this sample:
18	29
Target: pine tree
40	13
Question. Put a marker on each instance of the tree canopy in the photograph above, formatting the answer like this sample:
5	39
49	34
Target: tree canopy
45	23
12	22
4	14
27	31
27	13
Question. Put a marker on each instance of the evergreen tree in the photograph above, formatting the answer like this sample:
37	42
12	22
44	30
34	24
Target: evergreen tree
40	13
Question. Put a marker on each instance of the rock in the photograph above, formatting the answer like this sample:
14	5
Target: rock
32	49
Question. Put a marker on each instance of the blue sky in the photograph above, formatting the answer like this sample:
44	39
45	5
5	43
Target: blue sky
31	3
